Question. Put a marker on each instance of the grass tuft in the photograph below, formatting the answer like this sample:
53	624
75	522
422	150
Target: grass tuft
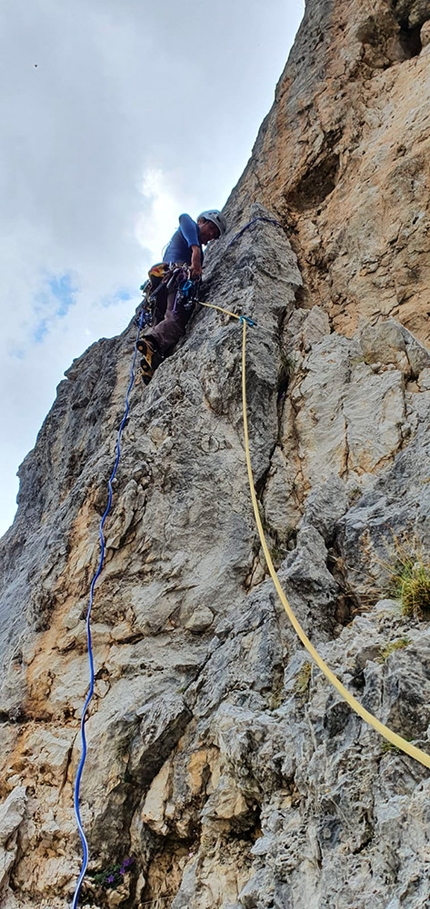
411	585
386	747
386	651
409	577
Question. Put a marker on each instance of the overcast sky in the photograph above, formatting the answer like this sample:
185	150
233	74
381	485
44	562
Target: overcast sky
116	116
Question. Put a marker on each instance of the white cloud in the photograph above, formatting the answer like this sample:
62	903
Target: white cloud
160	212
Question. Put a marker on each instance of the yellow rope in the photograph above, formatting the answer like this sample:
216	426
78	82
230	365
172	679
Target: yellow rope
355	705
235	315
227	312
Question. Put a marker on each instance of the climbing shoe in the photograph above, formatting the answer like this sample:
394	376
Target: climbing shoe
147	372
150	360
152	357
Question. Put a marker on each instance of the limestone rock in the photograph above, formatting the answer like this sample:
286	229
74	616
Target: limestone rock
425	34
391	344
343	159
223	771
12	812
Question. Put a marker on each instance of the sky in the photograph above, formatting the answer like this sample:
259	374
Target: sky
117	115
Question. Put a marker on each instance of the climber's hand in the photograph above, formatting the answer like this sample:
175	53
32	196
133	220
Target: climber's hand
196	263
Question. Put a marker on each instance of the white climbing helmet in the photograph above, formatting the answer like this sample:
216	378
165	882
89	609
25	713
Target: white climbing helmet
216	217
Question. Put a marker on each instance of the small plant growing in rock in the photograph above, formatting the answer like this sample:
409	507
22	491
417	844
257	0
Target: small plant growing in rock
409	577
387	747
303	681
278	554
386	651
288	363
411	585
112	877
287	366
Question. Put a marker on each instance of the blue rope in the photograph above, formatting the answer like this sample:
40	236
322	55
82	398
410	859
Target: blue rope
88	624
249	224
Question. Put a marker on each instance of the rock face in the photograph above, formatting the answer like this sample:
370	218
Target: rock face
223	771
343	159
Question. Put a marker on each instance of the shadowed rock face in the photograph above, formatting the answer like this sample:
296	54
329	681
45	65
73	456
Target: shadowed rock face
220	762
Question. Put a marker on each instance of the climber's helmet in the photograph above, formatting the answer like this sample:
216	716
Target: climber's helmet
209	218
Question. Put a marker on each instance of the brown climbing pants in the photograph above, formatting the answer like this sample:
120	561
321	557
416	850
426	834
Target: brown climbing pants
169	322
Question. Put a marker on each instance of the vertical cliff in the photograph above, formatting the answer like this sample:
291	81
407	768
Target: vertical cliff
223	771
343	159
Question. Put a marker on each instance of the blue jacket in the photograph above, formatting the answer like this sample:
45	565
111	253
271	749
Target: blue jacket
179	247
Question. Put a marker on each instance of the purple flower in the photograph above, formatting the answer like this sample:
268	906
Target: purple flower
110	879
126	864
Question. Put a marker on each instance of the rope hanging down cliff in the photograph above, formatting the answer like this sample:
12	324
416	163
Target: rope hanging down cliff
355	705
88	625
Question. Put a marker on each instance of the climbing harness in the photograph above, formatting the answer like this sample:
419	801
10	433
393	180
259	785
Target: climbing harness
158	277
249	224
168	276
88	625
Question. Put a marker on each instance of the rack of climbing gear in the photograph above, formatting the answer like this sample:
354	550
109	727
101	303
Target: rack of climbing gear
168	276
158	277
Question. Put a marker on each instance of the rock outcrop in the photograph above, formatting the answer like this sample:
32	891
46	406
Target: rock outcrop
223	771
343	159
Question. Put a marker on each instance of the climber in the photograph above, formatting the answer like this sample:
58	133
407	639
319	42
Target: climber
182	262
